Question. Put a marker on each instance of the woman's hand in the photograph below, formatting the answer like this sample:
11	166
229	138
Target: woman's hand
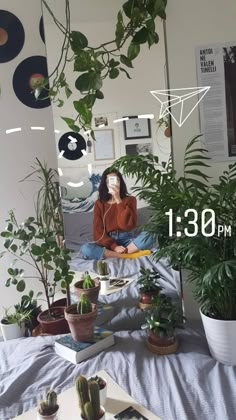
115	193
120	249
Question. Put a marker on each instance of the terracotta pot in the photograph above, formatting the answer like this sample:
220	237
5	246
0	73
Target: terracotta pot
92	293
81	326
146	297
167	132
161	341
56	326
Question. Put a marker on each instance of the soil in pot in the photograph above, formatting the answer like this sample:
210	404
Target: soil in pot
81	326
55	324
92	293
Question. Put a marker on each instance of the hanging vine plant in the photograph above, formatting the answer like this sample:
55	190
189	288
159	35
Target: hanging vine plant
135	26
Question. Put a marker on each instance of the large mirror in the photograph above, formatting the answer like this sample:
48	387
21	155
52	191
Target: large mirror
81	160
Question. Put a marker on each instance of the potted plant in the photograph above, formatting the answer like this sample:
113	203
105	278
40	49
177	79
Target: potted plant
81	317
102	383
29	302
162	321
148	286
48	409
165	123
206	248
13	324
88	287
102	269
89	399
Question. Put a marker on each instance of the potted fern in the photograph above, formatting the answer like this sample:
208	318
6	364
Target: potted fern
81	318
200	247
102	269
88	286
89	399
48	409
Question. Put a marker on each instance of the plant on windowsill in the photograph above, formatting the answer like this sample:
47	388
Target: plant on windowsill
209	256
81	317
162	321
88	286
135	26
89	399
13	324
148	286
48	409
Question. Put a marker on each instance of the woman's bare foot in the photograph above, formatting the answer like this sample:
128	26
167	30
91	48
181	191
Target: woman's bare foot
131	248
108	253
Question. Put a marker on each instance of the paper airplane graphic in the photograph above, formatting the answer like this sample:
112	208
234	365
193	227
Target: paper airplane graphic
179	103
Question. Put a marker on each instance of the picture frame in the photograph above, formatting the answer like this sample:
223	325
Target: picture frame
137	128
104	146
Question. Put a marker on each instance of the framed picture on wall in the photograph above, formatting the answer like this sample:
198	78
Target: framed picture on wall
104	148
137	128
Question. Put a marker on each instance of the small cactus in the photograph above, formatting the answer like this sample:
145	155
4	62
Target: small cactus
89	399
88	283
84	305
49	406
102	268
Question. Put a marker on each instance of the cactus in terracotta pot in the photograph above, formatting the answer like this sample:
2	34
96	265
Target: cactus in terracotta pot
84	305
89	399
88	283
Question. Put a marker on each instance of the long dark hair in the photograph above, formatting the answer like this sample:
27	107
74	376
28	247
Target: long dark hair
104	195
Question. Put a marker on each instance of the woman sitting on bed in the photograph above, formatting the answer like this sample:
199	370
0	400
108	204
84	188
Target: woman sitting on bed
115	215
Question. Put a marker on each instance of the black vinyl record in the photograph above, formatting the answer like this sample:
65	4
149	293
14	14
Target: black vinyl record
41	29
12	36
28	73
72	149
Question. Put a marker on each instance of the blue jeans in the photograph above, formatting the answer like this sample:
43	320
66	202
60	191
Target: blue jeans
93	251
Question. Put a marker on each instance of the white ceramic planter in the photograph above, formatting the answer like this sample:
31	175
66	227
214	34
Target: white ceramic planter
221	339
54	416
105	284
11	331
101	418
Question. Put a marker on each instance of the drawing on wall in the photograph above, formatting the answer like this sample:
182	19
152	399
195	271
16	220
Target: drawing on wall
104	148
138	149
137	128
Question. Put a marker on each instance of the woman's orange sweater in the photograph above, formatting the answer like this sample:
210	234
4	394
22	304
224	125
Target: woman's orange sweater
122	217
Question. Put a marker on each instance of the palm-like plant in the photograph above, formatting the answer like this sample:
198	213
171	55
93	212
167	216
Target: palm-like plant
210	259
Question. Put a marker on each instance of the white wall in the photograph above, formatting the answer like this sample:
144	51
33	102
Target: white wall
19	150
122	96
190	24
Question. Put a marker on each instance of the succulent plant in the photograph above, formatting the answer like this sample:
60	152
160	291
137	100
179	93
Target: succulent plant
148	280
88	283
102	268
84	305
89	399
49	406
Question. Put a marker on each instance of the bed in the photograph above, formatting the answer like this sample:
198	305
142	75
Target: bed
187	385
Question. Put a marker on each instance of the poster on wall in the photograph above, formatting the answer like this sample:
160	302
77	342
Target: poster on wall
216	67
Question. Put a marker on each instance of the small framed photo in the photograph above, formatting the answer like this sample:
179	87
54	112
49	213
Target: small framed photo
104	147
137	128
138	149
101	121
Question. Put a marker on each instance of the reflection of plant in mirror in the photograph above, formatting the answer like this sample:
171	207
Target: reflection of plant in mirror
135	26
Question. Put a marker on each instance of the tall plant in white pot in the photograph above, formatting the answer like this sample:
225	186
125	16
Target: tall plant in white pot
196	226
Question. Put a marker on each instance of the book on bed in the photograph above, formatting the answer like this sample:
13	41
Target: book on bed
77	351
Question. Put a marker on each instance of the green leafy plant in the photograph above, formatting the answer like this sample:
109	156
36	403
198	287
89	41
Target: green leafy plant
29	303
148	280
135	26
17	317
210	258
50	405
35	245
89	399
164	317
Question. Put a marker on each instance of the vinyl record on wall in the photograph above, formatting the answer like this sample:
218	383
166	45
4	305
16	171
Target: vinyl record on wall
27	76
12	36
41	29
72	146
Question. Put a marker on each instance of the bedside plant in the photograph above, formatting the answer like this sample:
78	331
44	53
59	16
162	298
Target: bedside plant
89	399
81	317
88	287
48	409
13	324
